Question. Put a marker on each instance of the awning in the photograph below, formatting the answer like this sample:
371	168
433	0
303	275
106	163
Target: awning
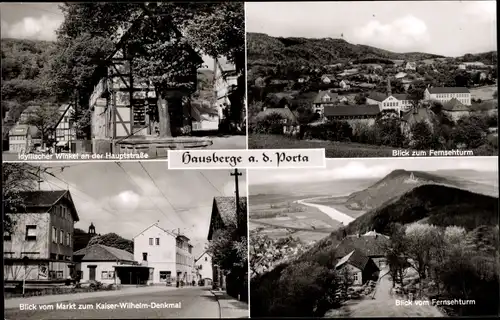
62	143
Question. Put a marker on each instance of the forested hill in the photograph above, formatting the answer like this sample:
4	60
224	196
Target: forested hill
267	50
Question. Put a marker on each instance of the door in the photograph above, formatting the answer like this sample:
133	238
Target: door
92	273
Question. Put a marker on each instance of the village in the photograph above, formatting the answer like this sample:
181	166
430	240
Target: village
122	106
48	260
350	102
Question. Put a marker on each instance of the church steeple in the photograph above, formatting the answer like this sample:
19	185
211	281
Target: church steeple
91	229
389	90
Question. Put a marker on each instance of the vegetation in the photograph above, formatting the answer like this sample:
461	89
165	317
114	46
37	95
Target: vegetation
113	240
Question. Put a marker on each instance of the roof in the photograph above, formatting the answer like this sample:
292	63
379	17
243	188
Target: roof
357	110
100	252
377	96
448	90
284	112
413	64
400	96
201	108
156	225
422	114
370	246
321	94
354	258
63	109
20	130
225	65
400	75
454	105
330	76
201	255
182	237
225	208
46	199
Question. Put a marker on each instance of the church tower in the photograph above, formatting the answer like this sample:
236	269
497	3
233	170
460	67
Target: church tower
389	90
91	229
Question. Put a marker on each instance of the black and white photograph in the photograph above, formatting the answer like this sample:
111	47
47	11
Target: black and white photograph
114	240
365	79
375	238
117	78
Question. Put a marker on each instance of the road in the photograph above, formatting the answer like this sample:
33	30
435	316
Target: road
331	212
194	303
228	142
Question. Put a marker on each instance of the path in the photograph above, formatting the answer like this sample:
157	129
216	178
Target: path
329	211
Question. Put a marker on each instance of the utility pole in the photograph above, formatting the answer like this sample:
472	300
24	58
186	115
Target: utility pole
236	174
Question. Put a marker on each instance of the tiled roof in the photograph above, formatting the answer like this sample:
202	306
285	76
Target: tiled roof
284	112
100	252
377	96
227	208
454	105
370	246
448	90
354	258
333	96
400	96
422	114
355	110
19	130
42	198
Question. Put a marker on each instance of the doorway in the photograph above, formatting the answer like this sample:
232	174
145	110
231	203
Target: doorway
92	273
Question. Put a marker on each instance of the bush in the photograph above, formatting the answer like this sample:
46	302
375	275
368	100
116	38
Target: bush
331	130
271	124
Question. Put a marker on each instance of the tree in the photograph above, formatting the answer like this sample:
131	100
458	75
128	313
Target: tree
113	240
421	135
470	131
416	92
360	99
421	240
44	119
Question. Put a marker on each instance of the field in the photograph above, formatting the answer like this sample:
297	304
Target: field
483	93
333	149
280	217
339	204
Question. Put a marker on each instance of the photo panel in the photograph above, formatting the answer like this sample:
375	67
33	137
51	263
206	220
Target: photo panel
124	240
98	81
371	238
373	79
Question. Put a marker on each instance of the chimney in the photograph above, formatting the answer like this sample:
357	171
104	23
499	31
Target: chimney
389	91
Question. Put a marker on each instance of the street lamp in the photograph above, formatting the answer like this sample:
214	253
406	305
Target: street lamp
25	263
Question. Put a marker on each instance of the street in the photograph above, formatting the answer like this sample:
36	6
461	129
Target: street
193	302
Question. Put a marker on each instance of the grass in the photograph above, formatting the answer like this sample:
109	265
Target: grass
333	149
483	93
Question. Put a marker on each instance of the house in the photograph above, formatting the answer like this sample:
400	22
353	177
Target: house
40	246
225	83
360	267
476	64
396	102
357	113
343	99
20	138
327	78
344	84
204	117
400	75
108	265
411	66
64	130
455	109
225	214
414	116
322	99
445	94
289	119
167	254
462	66
371	245
203	265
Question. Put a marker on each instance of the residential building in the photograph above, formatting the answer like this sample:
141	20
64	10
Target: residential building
344	84
411	66
360	267
20	138
184	260
445	94
225	82
204	117
324	99
455	109
327	78
40	246
288	118
358	113
64	130
156	247
462	66
204	267
225	215
107	265
396	102
371	245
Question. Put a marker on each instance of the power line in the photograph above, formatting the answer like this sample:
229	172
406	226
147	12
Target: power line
215	188
137	185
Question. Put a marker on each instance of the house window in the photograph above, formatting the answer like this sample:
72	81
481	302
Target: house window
31	233
68	237
157	241
190	249
111	274
53	256
144	256
355	277
61	237
59	274
104	275
165	275
150	241
206	259
7	236
60	257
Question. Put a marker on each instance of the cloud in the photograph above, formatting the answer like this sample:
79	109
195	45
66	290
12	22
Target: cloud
40	28
404	34
126	200
483	10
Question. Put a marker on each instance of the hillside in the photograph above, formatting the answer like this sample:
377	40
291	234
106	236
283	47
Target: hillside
393	185
266	50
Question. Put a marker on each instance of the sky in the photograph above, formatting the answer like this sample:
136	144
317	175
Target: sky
350	169
126	201
39	21
449	28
